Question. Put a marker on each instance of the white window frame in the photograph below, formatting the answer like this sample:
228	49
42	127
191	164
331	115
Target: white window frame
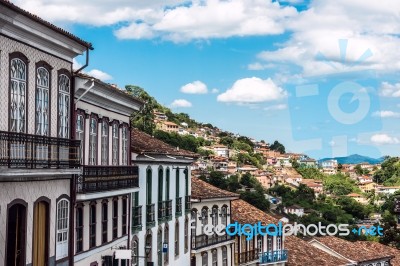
105	128
79	131
214	256
124	138
93	128
18	73
204	259
63	105
115	144
42	101
62	227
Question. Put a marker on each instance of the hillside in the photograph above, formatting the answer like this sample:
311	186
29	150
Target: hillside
355	159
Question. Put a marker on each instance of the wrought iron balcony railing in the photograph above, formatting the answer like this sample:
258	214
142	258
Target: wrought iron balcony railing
188	204
161	211
136	219
150	215
202	241
246	257
20	150
273	256
178	206
168	210
106	178
164	210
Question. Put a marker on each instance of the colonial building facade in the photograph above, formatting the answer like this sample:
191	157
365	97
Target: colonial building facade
37	158
160	210
102	192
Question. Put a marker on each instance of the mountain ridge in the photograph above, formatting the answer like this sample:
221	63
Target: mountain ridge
355	159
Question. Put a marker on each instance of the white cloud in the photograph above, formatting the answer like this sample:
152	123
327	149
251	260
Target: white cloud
176	20
214	90
386	114
259	66
252	90
389	90
99	74
276	107
331	143
180	103
196	87
382	139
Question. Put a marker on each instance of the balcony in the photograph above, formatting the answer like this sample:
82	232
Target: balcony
136	219
273	256
106	178
246	257
178	206
202	241
188	204
161	211
168	210
150	215
19	150
164	210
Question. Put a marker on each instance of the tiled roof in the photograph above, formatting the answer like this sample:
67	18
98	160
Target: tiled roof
244	213
45	23
358	251
110	87
204	190
144	143
303	253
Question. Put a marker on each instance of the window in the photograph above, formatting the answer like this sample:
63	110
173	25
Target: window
62	229
124	215
167	184
186	230
92	225
159	246
149	243
224	256
224	215
79	134
104	142
166	240
204	259
177	182
177	238
135	252
79	229
63	105
269	243
17	95
115	150
214	257
42	101
93	141
259	243
215	215
115	218
148	185
193	222
204	216
186	182
125	145
160	184
16	230
104	222
279	243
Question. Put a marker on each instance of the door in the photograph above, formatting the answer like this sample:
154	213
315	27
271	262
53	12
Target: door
40	234
16	230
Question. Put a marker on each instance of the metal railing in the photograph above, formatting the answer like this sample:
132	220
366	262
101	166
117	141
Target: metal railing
168	209
246	257
136	218
188	204
20	150
202	241
150	214
104	178
274	256
178	206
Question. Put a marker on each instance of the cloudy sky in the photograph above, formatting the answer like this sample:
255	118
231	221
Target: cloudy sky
319	76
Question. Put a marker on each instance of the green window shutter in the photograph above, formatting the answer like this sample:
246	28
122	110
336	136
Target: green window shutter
167	186
160	184
148	181
177	182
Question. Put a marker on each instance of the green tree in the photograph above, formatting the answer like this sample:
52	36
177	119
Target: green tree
256	199
276	146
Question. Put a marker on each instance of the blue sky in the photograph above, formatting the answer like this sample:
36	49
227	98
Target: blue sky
319	76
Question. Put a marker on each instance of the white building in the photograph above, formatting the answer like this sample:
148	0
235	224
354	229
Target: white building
37	158
103	190
329	164
221	150
294	209
210	205
160	209
260	250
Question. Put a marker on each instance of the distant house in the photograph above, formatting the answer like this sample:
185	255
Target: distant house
167	126
329	164
247	169
311	163
294	209
387	190
359	198
221	150
368	186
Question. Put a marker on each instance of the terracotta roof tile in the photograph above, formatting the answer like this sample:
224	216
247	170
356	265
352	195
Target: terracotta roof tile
302	253
144	143
244	213
358	251
46	23
204	190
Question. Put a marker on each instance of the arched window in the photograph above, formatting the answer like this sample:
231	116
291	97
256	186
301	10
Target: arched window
186	235
177	238
135	252
167	184
125	136
80	132
42	101
204	216
215	215
93	141
64	90
104	142
18	77
160	185
166	240
62	229
148	185
224	215
214	257
115	143
279	243
204	259
149	245
159	246
224	256
92	225
259	243
269	243
104	221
